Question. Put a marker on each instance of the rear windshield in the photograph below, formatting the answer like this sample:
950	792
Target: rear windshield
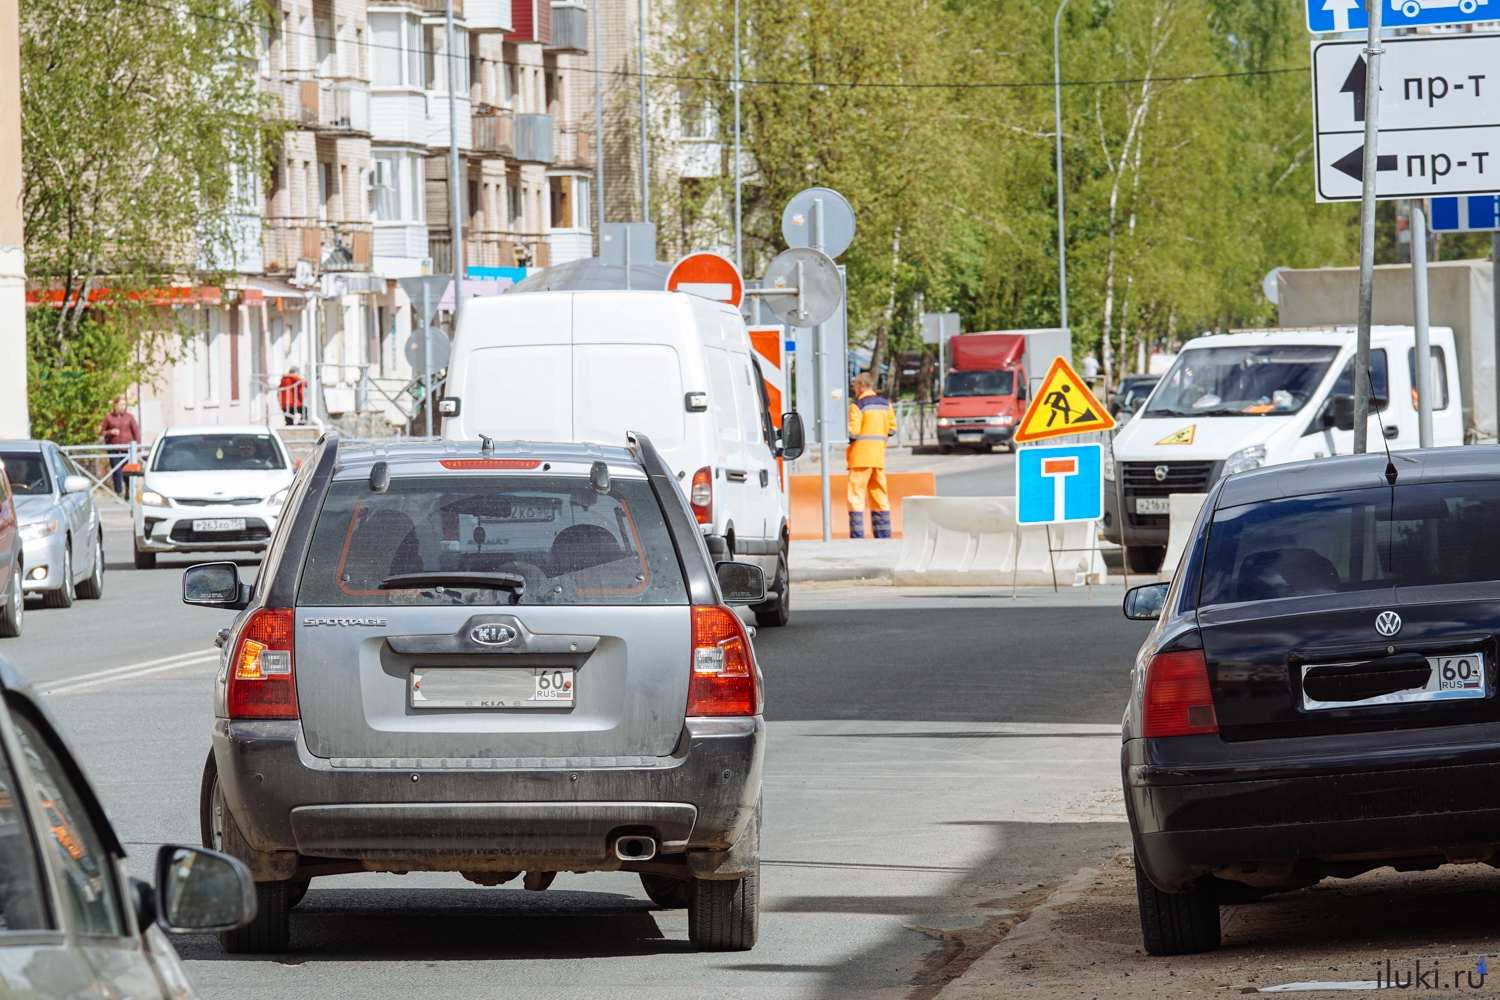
1418	535
217	452
468	540
27	473
991	383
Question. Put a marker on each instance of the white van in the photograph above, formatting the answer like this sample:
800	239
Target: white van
590	366
1239	401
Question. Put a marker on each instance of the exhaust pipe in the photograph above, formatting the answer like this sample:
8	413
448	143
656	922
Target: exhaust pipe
635	848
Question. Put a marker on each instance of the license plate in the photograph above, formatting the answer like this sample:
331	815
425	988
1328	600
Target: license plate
1454	677
1153	505
220	524
492	687
970	435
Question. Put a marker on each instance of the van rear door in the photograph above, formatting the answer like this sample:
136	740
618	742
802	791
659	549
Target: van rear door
627	372
517	378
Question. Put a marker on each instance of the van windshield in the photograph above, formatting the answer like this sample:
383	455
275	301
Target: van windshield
988	383
1416	535
486	540
1274	380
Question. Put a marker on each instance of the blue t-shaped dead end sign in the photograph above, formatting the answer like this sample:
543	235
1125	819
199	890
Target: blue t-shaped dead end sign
1060	483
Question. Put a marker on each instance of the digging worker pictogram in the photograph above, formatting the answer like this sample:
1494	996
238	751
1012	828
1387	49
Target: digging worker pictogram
871	422
1057	400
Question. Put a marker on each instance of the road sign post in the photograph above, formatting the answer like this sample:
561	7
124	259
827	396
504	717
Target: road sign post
1368	174
1423	373
424	293
1058	484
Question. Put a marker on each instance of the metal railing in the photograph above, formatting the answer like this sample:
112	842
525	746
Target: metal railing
916	424
100	461
494	132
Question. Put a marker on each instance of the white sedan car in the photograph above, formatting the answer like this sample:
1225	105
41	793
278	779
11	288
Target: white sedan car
216	489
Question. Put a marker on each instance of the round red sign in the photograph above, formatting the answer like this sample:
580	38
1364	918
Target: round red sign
708	275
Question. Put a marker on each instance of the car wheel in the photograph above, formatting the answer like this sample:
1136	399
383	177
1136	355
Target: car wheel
945	449
144	560
775	614
296	889
1177	923
270	930
666	891
62	597
13	615
93	588
725	915
1144	559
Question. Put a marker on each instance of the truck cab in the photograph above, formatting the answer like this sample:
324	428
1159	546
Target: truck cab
1240	401
984	391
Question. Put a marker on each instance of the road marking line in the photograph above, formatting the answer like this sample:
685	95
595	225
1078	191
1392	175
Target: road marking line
131	671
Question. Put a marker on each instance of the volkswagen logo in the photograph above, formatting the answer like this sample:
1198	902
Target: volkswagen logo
493	635
1161	473
1388	623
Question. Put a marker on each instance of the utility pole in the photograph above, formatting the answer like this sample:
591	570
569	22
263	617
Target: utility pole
645	152
1419	313
1062	249
739	250
598	132
1373	52
820	344
1495	296
14	419
455	194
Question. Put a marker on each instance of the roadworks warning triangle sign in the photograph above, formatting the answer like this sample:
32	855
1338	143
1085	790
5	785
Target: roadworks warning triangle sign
1063	405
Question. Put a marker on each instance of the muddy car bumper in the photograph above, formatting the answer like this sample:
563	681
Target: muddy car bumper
1197	804
470	814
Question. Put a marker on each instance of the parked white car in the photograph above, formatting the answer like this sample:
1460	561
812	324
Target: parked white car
214	489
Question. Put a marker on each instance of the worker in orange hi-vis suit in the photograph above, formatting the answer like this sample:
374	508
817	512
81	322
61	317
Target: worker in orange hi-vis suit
871	422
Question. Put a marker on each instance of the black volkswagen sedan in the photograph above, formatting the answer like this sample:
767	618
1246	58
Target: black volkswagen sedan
1318	697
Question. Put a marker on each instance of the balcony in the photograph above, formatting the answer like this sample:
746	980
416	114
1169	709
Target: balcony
570	28
572	147
331	246
494	133
441	7
534	138
336	106
489	15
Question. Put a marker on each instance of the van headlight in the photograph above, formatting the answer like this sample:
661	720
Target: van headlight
944	422
151	498
1109	465
1004	420
1244	460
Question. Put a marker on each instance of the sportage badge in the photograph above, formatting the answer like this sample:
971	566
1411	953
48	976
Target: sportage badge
492	635
1388	623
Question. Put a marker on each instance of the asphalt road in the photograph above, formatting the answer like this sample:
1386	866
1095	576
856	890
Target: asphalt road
927	772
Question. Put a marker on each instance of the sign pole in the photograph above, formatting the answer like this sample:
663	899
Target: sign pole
427	357
1419	308
1373	52
1495	285
819	338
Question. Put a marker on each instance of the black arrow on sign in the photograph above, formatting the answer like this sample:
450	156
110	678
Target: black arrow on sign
1354	84
1354	163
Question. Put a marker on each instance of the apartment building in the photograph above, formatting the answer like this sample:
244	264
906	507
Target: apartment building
359	198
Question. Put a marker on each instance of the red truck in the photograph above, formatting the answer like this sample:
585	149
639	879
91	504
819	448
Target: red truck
984	391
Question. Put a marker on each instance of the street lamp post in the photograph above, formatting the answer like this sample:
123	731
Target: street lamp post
739	253
1062	250
454	180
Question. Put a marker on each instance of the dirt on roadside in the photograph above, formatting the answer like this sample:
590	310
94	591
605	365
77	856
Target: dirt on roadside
1084	941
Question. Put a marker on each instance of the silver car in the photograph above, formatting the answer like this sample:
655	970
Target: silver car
491	659
61	533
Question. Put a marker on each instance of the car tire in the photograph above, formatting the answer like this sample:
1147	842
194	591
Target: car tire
145	560
775	614
1177	923
62	597
270	930
296	890
92	588
725	915
668	892
13	615
1144	559
945	449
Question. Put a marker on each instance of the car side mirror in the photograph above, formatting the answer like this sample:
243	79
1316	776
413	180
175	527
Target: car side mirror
76	484
793	436
1144	604
741	583
1341	412
200	891
215	585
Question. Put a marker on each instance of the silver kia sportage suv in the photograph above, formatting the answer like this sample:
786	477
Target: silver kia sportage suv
495	659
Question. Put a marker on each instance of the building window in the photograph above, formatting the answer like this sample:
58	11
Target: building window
396	186
570	201
435	54
698	120
396	41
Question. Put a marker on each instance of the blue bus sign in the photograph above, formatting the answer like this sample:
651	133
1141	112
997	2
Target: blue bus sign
1476	213
1325	16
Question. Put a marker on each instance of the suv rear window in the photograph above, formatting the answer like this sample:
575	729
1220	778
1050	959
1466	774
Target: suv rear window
1409	536
430	541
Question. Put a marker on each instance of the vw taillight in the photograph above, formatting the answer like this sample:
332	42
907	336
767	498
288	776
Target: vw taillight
723	671
701	495
262	672
1178	700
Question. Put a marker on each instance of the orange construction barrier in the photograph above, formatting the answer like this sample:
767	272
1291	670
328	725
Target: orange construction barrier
807	502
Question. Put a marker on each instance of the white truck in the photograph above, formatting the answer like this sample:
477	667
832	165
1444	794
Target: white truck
1238	401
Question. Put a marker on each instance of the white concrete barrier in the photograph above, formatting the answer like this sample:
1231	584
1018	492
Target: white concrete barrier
972	541
1182	511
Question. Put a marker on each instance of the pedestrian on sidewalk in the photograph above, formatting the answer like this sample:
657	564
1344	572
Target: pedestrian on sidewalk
1091	369
290	391
871	423
119	431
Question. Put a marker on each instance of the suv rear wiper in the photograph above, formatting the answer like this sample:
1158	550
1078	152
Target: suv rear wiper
514	582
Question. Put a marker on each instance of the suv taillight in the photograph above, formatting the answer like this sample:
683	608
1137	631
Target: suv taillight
723	674
1178	700
262	673
701	495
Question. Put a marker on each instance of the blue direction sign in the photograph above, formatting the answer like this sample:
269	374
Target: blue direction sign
1060	483
1477	213
1324	16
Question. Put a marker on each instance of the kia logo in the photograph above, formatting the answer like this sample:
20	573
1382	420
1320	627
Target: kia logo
492	635
1161	473
1388	623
